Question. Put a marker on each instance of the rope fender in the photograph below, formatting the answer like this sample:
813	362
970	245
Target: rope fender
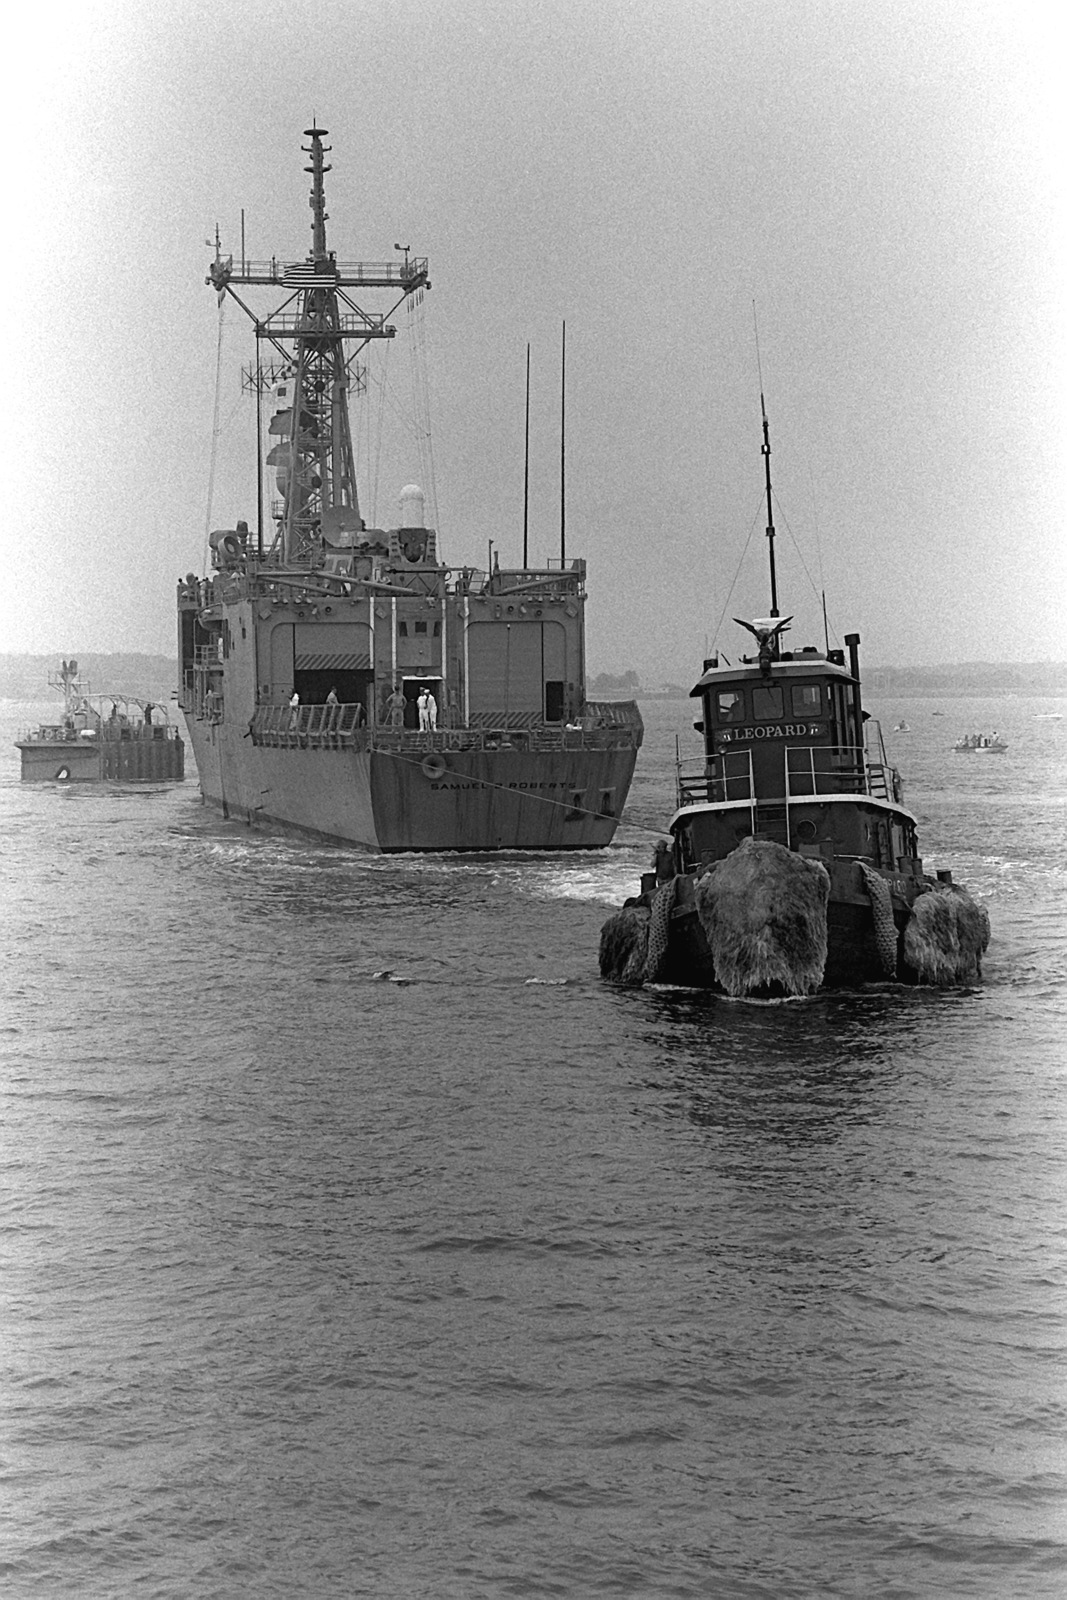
659	929
885	929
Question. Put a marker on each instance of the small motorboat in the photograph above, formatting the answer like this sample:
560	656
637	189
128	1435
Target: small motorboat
980	744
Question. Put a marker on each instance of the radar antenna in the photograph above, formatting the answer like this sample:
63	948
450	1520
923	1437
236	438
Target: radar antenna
311	371
318	170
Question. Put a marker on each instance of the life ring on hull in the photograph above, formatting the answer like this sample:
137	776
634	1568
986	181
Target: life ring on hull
434	766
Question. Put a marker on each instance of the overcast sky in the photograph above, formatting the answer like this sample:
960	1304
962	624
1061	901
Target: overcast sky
883	184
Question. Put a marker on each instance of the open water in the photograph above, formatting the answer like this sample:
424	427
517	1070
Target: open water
484	1279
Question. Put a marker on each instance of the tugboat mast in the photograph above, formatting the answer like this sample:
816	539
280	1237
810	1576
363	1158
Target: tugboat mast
765	451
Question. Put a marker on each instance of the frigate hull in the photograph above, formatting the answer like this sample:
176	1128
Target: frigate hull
391	800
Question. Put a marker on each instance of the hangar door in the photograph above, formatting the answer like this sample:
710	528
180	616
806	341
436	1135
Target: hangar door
517	667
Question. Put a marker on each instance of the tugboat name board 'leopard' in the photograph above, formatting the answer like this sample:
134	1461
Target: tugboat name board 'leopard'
793	861
101	739
339	680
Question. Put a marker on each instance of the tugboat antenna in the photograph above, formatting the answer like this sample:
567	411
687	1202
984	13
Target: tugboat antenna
526	471
563	451
766	453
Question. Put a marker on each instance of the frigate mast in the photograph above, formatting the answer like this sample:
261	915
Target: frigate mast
317	333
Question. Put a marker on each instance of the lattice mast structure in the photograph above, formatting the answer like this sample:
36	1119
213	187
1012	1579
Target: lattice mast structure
316	336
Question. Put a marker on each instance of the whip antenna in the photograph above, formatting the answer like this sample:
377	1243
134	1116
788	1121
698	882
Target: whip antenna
563	450
765	451
526	471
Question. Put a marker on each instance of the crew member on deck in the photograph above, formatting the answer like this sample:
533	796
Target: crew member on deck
663	861
395	707
427	712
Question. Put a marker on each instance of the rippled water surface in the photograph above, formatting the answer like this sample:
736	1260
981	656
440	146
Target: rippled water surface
356	1240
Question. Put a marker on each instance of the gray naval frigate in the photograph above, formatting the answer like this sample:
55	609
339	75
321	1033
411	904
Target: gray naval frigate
341	681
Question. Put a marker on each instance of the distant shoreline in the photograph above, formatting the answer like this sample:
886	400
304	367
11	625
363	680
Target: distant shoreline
873	692
978	681
25	677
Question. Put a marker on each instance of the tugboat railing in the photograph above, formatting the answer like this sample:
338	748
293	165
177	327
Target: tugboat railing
729	781
808	770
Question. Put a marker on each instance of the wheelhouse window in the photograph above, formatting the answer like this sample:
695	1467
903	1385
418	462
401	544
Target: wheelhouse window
730	706
807	700
768	702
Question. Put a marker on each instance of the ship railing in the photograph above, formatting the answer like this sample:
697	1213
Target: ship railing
290	322
613	713
105	731
809	770
547	737
725	778
143	732
329	727
840	769
370	273
46	733
824	769
878	780
325	726
883	781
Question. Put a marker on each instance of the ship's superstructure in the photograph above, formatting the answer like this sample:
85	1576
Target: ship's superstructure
339	679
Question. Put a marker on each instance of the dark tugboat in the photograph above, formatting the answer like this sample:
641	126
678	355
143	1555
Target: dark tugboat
793	861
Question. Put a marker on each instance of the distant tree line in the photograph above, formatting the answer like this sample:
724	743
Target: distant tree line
985	679
613	683
25	677
980	678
